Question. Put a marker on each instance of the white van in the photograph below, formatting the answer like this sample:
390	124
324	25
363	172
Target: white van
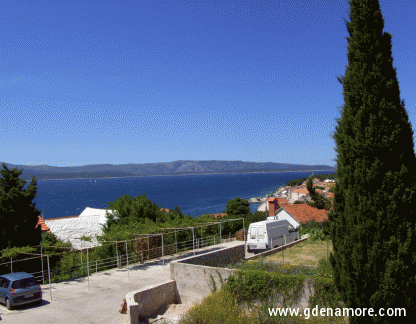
268	234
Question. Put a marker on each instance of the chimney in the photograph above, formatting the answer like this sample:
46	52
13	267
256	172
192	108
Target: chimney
272	206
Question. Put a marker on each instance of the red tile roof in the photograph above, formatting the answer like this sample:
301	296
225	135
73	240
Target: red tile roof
282	201
304	213
330	195
300	191
165	209
218	215
48	219
42	224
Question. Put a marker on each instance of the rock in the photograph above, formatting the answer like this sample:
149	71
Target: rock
123	307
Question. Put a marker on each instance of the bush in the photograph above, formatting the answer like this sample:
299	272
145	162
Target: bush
218	307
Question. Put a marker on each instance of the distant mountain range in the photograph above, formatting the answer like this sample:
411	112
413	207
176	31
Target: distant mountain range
46	172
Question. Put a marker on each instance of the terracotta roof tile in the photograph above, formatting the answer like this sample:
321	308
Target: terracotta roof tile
165	209
48	219
304	213
218	215
42	224
300	191
282	201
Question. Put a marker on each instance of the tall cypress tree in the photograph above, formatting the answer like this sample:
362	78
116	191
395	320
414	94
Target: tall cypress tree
373	222
18	214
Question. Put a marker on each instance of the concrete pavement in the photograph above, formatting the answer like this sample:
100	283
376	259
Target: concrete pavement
72	302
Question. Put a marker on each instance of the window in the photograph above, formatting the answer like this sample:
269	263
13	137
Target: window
24	283
4	283
253	231
260	232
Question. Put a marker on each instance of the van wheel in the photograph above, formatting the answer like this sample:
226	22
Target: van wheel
8	304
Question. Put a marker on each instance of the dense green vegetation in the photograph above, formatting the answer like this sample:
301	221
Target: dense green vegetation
373	224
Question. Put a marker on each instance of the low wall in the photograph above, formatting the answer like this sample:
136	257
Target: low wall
197	275
280	248
144	302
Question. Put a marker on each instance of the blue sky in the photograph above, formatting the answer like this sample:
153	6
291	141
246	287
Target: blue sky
90	81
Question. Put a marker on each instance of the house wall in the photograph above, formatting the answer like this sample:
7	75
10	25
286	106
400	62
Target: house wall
68	230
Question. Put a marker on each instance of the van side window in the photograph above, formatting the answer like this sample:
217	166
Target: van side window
260	232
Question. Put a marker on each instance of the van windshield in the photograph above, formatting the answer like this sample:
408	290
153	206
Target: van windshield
24	283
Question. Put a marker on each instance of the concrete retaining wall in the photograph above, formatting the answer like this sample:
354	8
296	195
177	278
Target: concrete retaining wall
196	275
147	301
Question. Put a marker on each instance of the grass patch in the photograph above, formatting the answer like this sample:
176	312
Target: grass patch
306	253
222	307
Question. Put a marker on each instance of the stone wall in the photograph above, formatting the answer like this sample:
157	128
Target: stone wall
69	229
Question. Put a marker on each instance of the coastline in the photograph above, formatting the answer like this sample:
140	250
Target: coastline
185	174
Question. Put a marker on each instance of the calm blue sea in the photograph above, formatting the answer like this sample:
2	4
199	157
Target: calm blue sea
194	194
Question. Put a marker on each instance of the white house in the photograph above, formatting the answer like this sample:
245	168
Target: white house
283	214
298	193
70	229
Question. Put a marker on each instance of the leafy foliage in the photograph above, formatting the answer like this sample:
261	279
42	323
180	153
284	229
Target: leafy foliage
237	207
319	201
18	214
373	223
133	210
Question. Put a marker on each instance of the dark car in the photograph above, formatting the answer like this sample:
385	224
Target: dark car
19	288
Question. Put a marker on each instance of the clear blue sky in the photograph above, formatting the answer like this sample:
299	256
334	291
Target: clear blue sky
95	81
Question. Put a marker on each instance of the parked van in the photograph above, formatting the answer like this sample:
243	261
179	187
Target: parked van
268	234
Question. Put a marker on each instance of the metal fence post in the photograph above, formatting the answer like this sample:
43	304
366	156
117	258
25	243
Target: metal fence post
148	248
96	268
81	256
88	271
117	254
41	257
202	242
193	239
244	232
176	242
220	236
127	256
163	258
11	264
49	276
285	239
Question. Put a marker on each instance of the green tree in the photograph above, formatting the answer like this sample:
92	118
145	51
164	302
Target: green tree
131	209
237	207
319	201
372	226
18	214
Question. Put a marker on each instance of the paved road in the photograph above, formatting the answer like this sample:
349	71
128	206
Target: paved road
72	302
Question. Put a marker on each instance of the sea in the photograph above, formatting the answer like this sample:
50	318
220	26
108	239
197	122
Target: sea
194	194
